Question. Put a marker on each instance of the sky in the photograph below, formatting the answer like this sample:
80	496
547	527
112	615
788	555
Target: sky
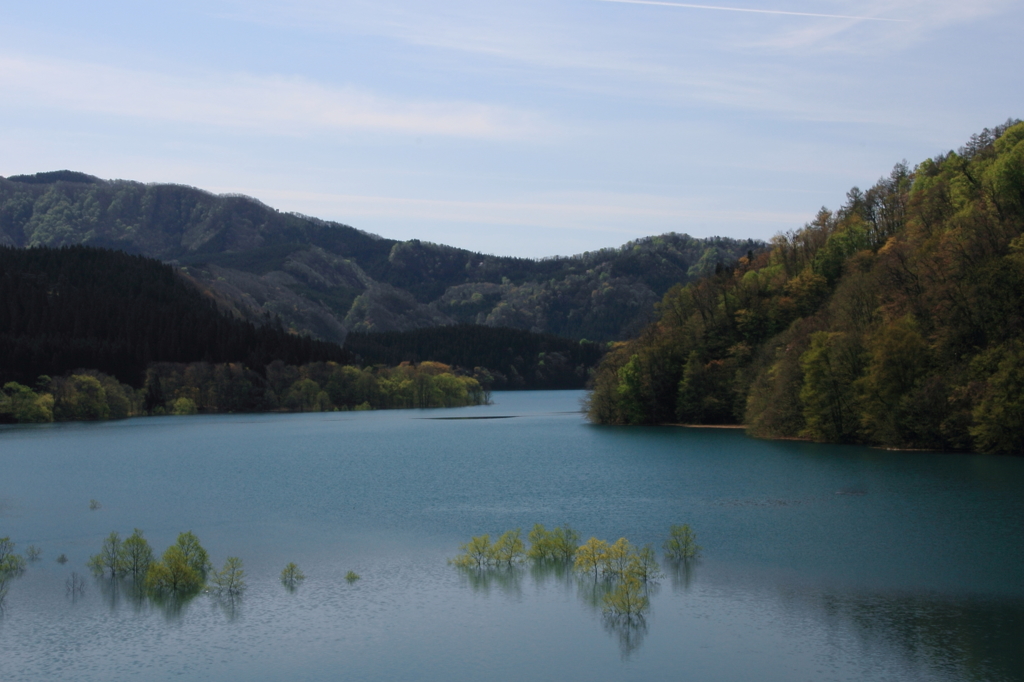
518	127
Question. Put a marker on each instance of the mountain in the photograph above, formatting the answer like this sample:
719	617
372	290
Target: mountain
84	307
897	320
325	279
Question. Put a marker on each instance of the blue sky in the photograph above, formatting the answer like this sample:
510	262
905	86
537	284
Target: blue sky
516	128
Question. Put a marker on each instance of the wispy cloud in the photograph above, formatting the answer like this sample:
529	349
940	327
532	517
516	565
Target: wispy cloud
752	11
264	104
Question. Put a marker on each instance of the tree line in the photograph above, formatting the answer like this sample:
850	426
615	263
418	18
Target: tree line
500	358
182	389
897	320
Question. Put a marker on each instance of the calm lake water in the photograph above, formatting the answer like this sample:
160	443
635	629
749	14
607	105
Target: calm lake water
819	563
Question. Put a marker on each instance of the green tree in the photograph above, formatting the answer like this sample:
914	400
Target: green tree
136	555
291	576
564	543
509	548
173	574
999	415
616	559
590	556
475	553
230	580
24	405
681	544
830	366
109	558
643	564
11	564
193	553
541	544
627	600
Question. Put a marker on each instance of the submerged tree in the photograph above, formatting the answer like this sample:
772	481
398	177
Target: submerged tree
291	576
590	556
509	548
173	574
136	556
681	544
476	553
230	580
109	557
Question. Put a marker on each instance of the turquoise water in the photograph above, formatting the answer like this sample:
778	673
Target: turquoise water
819	563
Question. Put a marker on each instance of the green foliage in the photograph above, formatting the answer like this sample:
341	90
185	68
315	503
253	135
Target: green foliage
193	553
508	548
681	544
110	558
590	557
893	321
351	576
33	553
230	580
135	556
999	415
22	405
476	553
291	576
627	599
184	406
11	564
173	575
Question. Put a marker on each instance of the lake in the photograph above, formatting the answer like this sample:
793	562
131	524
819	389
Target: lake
819	562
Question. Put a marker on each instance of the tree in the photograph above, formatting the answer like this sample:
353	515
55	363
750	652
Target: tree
627	600
509	547
616	559
174	574
643	564
476	553
291	576
681	544
541	544
109	557
136	556
11	564
193	553
230	580
590	556
565	541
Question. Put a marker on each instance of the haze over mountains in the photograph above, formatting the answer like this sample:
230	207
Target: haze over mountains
326	279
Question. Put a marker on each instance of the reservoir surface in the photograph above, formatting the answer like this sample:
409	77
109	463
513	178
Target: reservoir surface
819	562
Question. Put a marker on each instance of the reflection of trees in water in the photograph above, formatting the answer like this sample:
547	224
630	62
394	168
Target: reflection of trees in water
964	640
507	579
230	604
629	631
681	573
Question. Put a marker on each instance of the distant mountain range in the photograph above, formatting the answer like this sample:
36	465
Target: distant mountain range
326	279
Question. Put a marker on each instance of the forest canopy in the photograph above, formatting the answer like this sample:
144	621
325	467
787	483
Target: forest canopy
897	320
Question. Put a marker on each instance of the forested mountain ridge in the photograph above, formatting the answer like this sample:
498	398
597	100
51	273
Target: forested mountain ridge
325	278
897	320
83	307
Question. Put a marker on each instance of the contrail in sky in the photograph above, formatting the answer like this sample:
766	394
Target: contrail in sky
752	11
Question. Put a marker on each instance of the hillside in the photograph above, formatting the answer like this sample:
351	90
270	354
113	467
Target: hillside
897	320
326	279
82	307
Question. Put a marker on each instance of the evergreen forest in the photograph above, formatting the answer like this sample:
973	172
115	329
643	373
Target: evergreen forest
896	320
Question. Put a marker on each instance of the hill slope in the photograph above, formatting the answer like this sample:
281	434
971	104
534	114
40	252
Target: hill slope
64	309
326	278
897	320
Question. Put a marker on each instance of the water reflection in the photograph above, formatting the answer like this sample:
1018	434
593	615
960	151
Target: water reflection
228	603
